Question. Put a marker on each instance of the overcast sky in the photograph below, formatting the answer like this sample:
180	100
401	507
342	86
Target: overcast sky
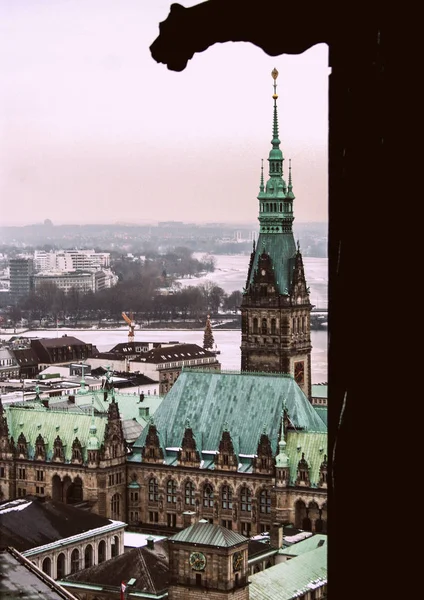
93	130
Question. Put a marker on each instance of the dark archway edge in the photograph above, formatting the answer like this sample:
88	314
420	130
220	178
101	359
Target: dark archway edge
367	120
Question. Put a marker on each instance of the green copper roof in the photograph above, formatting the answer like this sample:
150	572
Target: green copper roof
291	579
282	250
311	543
206	534
245	403
68	425
313	446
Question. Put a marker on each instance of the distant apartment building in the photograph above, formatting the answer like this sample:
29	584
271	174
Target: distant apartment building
21	272
84	270
83	281
70	260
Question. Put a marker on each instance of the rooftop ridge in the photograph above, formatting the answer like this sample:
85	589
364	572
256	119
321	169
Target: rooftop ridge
244	373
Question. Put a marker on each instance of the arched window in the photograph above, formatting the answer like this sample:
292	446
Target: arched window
75	560
115	507
273	326
153	490
88	556
245	499
208	496
47	566
226	498
264	327
255	325
171	491
60	566
102	551
265	502
189	493
114	447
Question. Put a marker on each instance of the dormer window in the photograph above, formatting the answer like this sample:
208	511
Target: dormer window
22	446
303	472
76	451
40	449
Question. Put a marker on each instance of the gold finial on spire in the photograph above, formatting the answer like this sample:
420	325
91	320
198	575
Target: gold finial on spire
274	74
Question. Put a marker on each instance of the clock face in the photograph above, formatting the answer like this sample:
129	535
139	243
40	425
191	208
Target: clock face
237	561
197	561
263	272
299	372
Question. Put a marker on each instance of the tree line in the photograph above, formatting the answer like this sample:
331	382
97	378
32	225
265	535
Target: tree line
148	288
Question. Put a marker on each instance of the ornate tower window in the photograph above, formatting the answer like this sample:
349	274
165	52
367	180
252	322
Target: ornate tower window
255	325
207	496
189	493
264	327
265	502
171	491
226	497
246	500
115	507
153	490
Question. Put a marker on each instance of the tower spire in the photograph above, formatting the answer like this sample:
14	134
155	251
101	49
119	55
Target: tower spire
261	187
290	183
275	139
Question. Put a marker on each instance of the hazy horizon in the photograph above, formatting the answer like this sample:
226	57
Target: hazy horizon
94	131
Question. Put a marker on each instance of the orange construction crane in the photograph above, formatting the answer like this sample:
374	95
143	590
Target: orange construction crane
131	324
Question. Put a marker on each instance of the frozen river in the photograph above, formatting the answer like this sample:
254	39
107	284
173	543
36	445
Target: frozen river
230	274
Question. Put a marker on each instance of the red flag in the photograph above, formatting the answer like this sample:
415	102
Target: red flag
123	588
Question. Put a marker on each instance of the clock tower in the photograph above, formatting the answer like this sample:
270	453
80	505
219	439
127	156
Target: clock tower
209	561
275	309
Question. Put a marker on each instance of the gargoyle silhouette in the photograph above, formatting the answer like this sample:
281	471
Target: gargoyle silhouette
275	26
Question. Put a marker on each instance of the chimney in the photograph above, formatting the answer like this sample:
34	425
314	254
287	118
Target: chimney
150	542
276	535
189	518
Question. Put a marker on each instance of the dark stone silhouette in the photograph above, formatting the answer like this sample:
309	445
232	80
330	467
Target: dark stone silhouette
367	106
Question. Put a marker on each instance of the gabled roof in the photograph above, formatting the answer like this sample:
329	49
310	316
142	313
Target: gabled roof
27	522
149	567
26	356
177	353
207	534
292	578
246	404
65	340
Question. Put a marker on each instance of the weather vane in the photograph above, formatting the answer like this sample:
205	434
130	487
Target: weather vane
274	74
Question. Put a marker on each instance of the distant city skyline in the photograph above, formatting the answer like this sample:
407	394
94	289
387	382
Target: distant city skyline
93	130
